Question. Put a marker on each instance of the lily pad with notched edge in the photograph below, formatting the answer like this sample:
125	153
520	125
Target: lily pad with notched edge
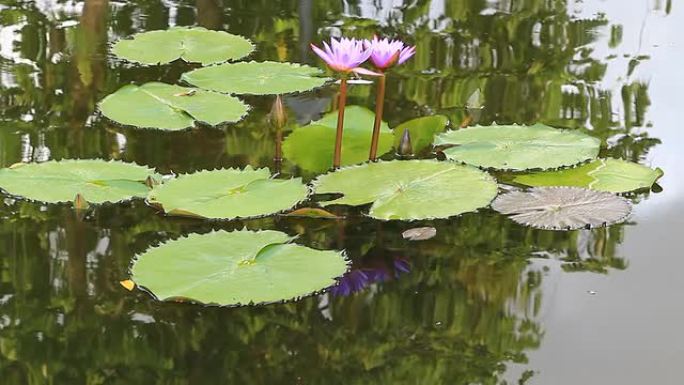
406	190
311	147
563	208
195	45
236	268
227	194
513	147
169	107
96	180
422	131
612	175
256	78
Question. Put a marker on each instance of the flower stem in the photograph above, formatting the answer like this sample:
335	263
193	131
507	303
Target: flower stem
342	101
379	104
278	150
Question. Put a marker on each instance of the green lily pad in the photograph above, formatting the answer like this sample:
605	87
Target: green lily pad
236	268
169	107
613	175
194	45
406	190
311	147
563	208
96	180
514	147
422	131
228	193
256	78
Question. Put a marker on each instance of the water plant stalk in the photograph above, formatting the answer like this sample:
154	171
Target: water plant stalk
342	101
379	106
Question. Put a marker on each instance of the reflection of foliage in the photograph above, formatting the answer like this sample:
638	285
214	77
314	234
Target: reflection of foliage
465	320
467	306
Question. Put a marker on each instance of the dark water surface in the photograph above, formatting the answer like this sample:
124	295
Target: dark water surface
485	302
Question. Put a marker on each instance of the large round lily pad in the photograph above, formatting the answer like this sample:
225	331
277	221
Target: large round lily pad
236	268
195	45
256	78
514	147
563	208
170	107
96	180
311	147
406	190
228	193
613	175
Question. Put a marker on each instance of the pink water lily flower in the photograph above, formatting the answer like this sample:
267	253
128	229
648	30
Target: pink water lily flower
345	55
387	53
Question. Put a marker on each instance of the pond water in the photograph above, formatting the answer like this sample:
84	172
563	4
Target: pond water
486	301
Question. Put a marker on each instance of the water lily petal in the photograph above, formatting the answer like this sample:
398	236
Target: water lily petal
363	71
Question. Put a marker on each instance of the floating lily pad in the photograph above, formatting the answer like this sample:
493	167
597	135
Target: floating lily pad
169	107
613	175
563	208
228	193
517	148
311	147
406	190
422	131
256	78
236	268
195	45
96	180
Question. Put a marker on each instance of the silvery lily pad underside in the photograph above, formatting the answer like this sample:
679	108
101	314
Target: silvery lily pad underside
563	208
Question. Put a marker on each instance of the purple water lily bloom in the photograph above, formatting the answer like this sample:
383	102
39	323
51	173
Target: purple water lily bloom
387	53
345	55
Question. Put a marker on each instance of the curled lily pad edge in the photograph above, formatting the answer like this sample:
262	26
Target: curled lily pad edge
659	172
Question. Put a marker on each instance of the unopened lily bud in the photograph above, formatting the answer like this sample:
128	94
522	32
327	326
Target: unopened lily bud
278	115
151	182
80	203
405	147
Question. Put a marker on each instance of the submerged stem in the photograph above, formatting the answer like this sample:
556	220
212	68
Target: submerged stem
379	105
342	101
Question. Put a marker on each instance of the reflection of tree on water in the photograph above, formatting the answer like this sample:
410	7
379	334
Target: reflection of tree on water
67	319
469	303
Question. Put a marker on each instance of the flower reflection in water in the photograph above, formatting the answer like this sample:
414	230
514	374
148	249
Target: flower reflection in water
360	278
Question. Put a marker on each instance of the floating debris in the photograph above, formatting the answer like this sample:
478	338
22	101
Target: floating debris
419	233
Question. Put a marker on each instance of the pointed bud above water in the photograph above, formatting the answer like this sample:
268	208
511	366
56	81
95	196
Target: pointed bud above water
151	182
278	116
405	147
80	203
